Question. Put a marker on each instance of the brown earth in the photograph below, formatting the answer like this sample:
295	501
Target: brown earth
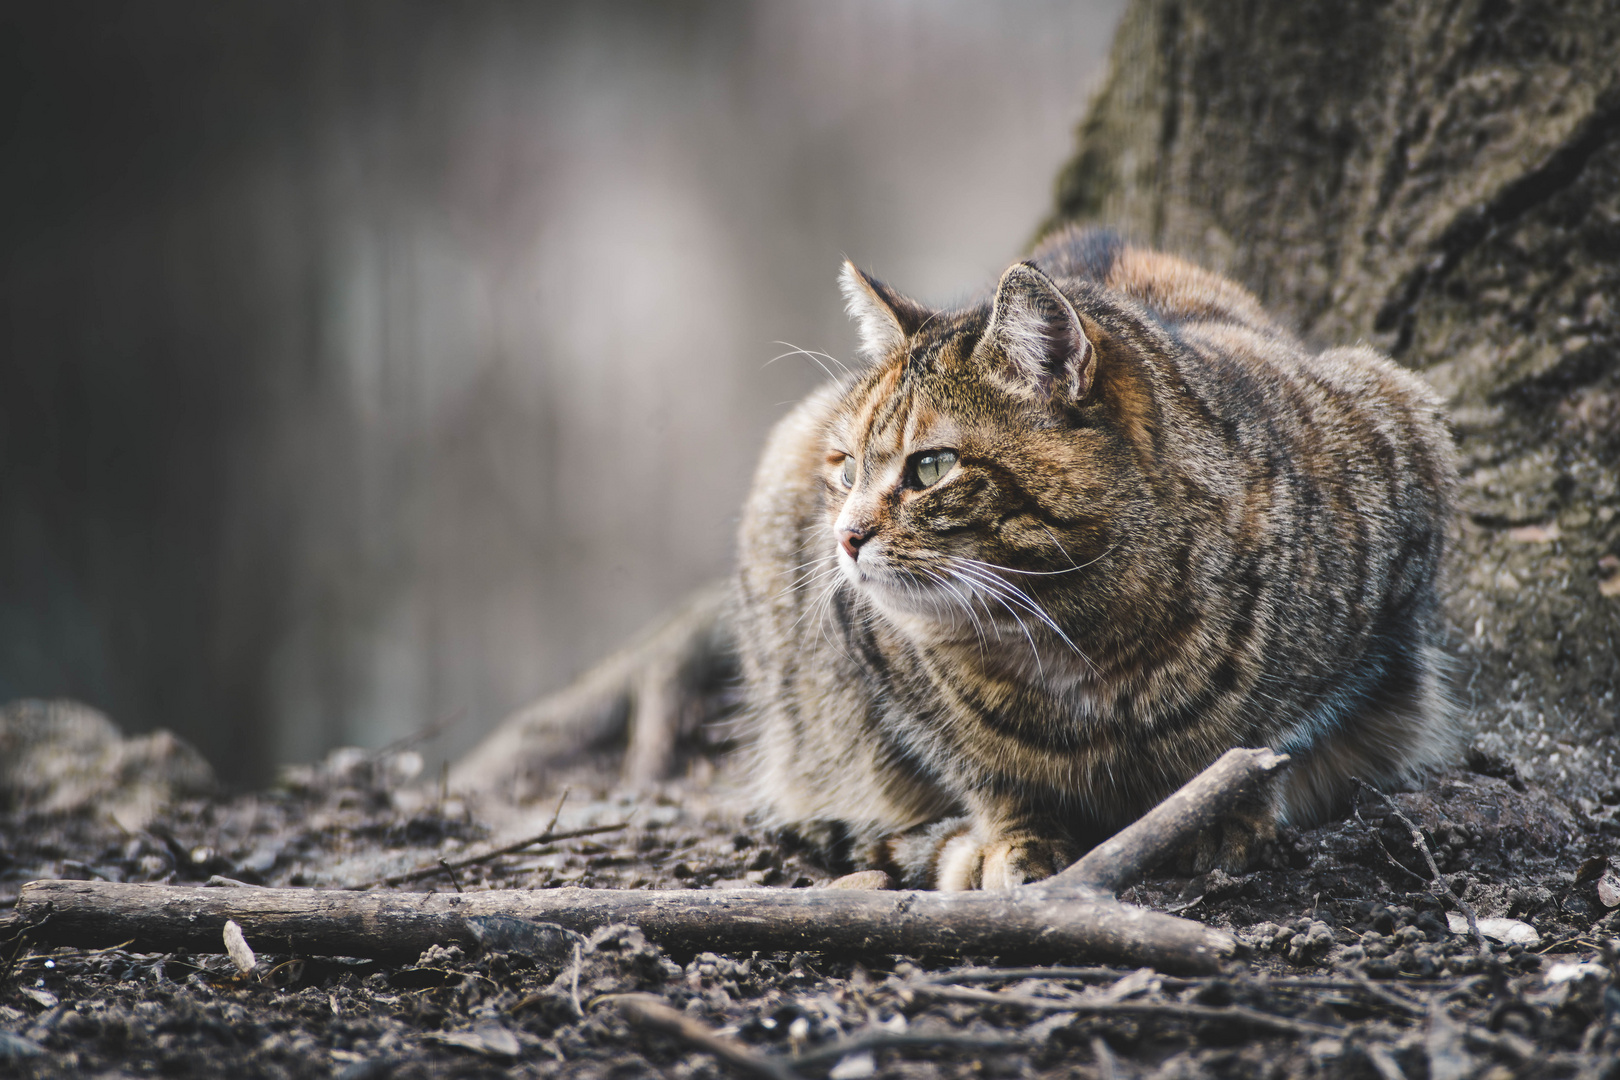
1340	927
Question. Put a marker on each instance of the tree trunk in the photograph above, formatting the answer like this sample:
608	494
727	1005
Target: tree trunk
1443	180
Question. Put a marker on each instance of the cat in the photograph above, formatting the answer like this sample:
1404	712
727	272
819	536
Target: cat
1044	558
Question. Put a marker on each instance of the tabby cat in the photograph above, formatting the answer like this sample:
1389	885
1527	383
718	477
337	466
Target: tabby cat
1045	558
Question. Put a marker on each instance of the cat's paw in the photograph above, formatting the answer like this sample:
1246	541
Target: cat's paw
972	861
1235	846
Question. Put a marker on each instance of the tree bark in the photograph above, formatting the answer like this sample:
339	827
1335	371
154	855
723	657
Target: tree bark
1442	180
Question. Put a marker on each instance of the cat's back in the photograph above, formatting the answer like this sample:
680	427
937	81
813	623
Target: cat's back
1258	379
1170	288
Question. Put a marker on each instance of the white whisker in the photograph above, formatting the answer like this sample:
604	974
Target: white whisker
813	356
982	574
967	606
1040	668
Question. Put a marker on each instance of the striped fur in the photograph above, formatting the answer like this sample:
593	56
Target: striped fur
1170	529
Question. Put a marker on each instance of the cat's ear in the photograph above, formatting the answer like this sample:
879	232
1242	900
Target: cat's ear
1037	338
885	318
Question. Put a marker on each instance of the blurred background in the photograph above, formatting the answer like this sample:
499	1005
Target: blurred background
366	365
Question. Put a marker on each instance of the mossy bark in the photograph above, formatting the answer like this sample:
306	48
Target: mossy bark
1442	180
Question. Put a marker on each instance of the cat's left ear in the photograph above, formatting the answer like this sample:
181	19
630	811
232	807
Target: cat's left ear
885	318
1041	343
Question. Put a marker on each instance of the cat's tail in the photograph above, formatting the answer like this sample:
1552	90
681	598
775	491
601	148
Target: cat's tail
648	702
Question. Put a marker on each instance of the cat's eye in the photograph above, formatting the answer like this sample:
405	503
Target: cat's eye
848	475
930	465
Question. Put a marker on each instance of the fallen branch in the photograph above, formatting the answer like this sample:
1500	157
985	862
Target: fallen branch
1029	923
1197	806
1069	917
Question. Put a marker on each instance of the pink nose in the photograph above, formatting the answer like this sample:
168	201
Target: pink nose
851	540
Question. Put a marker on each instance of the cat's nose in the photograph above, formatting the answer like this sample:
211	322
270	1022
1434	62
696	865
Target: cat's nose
852	539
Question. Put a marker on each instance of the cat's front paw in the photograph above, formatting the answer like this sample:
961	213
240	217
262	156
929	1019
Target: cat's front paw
1235	846
973	861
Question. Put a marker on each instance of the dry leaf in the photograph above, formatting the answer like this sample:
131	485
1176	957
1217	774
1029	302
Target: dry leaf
43	998
491	1040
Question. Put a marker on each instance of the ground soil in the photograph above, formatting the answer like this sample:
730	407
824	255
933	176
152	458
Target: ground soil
1342	928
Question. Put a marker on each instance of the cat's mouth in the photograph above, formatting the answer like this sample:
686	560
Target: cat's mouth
955	597
909	590
873	572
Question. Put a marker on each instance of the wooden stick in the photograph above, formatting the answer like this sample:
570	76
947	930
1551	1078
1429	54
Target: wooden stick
1028	922
651	1011
1200	804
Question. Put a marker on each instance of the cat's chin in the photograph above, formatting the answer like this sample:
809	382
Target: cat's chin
918	606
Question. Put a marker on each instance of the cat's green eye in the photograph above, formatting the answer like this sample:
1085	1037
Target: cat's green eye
848	475
930	466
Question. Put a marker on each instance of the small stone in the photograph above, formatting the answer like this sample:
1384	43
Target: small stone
1608	888
854	1066
1535	534
1505	931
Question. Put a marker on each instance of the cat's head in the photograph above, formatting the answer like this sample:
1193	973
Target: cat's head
966	473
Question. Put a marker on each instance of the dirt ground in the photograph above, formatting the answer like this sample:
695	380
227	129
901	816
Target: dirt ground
1351	967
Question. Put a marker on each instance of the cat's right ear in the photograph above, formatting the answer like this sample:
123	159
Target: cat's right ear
885	318
1036	340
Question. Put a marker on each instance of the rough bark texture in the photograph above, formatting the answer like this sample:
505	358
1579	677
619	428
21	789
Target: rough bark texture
1443	180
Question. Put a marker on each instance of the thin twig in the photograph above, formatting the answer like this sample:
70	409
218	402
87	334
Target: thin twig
878	1039
1438	885
424	734
1011	974
1379	837
557	813
573	980
1107	1067
450	872
1394	1001
1173	1010
650	1011
1383	1062
474	860
1359	981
